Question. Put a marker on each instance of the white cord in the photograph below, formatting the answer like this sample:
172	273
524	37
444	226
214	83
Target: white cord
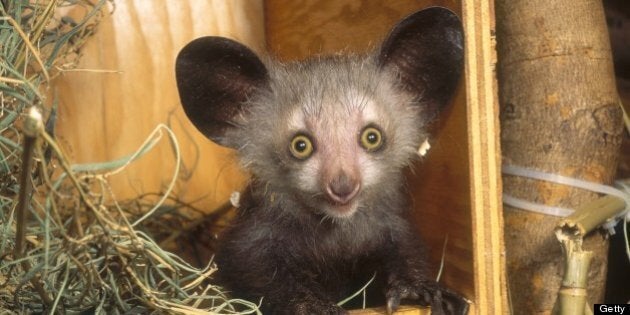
623	192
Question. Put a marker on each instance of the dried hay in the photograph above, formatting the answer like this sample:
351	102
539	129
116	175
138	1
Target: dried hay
66	246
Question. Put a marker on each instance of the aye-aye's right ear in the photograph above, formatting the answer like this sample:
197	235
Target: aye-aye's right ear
215	76
426	50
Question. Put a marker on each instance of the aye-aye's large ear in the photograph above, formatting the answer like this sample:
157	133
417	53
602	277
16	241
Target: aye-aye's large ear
215	76
426	50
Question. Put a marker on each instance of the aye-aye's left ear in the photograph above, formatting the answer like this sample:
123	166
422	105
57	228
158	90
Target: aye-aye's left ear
426	50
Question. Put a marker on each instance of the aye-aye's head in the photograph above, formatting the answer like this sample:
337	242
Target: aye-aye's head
331	132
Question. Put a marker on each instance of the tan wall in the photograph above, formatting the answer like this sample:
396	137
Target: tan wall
107	116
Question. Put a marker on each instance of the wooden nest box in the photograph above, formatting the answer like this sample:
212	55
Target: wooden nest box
456	189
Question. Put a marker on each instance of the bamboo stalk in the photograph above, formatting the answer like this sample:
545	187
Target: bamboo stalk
570	232
592	215
572	296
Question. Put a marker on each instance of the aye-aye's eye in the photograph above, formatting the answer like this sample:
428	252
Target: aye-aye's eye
301	147
371	139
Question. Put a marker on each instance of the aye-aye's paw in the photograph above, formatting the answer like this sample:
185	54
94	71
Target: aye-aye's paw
442	300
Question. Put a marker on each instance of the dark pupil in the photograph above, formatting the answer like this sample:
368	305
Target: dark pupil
300	146
372	137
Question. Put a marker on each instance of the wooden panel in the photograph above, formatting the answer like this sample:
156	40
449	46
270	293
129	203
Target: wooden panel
104	116
440	187
298	29
484	158
440	184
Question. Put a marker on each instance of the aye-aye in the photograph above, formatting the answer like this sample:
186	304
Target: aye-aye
326	141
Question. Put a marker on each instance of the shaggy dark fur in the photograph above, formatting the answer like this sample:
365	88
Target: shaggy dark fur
312	230
305	264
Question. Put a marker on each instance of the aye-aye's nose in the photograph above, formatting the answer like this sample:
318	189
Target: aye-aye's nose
343	188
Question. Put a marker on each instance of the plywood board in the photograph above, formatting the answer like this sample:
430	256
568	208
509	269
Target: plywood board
298	29
484	158
106	112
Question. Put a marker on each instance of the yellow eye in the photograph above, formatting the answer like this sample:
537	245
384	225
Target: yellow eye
301	147
371	139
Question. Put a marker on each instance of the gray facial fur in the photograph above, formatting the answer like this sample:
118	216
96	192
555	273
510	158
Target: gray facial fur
327	94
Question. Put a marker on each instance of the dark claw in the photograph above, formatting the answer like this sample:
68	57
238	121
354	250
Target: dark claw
454	302
392	304
442	300
397	291
445	301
